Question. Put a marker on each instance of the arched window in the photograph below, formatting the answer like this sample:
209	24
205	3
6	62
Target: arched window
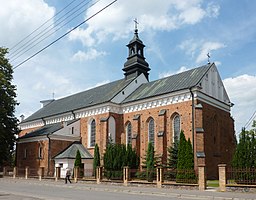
92	133
151	131
40	152
129	133
176	128
112	130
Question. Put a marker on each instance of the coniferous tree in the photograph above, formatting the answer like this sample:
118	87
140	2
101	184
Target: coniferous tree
78	160
118	156
189	155
96	158
8	121
185	165
173	155
239	159
150	162
181	164
244	156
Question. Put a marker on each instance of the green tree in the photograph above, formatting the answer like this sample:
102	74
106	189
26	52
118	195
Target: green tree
132	160
173	155
116	157
182	153
150	162
189	155
245	154
8	121
96	158
78	160
185	165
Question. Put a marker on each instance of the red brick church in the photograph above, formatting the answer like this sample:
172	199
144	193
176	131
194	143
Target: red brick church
134	110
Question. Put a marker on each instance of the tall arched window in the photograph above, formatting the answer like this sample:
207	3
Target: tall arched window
176	128
151	131
129	133
92	133
112	130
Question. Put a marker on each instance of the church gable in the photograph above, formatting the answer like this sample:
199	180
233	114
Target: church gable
212	85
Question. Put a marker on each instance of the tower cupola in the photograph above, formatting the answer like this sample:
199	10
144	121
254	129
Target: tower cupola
136	63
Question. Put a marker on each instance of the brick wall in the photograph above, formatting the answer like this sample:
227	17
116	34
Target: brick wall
219	136
32	159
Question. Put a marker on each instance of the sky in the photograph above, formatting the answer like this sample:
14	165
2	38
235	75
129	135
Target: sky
177	34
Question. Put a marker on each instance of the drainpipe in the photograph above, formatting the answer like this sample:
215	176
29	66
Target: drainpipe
74	115
193	117
49	153
49	150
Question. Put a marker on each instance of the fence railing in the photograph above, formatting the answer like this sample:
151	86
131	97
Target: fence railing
245	176
157	176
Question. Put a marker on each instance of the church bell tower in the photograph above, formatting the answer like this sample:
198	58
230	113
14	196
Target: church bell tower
136	63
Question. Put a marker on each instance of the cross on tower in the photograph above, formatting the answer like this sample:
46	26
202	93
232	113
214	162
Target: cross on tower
136	23
208	55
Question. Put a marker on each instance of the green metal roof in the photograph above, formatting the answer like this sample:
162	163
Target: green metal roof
98	95
107	92
184	80
46	130
70	152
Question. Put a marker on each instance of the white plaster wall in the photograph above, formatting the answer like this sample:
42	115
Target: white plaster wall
212	85
129	89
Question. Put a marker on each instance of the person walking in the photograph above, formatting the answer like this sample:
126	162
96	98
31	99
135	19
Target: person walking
68	174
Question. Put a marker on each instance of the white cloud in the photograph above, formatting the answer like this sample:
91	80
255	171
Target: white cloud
14	16
213	10
192	16
169	73
242	92
89	55
200	49
116	21
207	48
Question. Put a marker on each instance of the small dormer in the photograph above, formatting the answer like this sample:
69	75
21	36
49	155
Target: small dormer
136	63
46	102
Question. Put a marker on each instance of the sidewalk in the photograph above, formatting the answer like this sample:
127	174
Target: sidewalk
141	190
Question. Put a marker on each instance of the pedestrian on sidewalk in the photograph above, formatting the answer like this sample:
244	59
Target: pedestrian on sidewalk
68	174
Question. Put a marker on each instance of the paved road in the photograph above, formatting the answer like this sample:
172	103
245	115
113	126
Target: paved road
32	189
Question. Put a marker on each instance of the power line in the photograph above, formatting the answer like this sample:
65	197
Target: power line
51	31
250	120
65	34
13	47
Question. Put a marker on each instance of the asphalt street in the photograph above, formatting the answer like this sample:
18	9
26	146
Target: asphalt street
33	189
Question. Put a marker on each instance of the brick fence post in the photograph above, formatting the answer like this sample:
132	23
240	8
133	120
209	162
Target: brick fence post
26	172
57	176
76	171
201	177
40	173
15	172
4	171
126	176
99	174
159	177
222	177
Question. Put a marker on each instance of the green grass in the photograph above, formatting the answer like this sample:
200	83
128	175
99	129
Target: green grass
213	183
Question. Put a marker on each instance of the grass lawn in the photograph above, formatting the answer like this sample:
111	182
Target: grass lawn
213	183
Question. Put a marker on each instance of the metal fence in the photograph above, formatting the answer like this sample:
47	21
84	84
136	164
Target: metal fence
245	176
113	174
169	175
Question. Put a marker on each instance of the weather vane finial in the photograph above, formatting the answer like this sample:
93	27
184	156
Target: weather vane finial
136	24
208	55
